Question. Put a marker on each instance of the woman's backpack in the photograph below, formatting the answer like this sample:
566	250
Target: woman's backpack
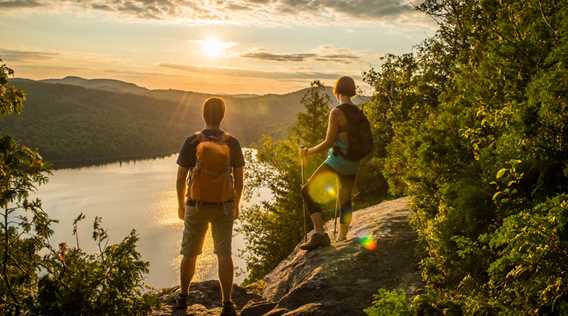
359	133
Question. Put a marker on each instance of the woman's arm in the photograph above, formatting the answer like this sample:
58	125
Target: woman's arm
331	134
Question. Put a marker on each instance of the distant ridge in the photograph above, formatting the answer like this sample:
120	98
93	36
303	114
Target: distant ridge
120	86
100	84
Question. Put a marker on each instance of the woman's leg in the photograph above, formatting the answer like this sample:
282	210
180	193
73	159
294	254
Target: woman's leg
319	239
312	206
345	193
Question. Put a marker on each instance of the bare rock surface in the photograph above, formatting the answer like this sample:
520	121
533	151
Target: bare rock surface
338	280
203	299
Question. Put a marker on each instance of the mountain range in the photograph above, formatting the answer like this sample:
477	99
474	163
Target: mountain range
75	121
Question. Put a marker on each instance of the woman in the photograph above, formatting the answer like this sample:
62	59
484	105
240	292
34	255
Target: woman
344	171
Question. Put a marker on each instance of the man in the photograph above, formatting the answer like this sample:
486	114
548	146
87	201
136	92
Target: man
214	162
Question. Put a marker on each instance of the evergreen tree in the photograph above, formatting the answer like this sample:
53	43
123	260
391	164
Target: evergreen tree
310	127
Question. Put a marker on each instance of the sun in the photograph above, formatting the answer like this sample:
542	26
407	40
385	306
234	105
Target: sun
214	48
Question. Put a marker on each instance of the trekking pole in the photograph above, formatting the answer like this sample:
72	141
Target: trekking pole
336	212
302	196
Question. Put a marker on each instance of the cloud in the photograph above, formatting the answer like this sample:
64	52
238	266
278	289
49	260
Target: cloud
18	4
361	8
277	57
247	73
24	56
324	54
237	11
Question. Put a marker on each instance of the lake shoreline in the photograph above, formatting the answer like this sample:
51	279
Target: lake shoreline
99	162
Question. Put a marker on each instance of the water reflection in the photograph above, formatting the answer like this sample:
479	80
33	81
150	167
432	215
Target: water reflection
138	195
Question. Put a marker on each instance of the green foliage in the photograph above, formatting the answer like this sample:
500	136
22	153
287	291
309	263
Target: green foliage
389	303
308	128
530	273
474	126
35	278
273	229
11	99
106	283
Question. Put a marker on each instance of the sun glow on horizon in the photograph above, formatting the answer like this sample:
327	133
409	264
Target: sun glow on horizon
215	48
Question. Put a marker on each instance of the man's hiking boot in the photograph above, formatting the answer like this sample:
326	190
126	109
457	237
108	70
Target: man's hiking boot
228	309
180	302
318	240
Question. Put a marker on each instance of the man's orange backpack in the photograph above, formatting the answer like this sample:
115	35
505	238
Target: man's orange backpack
211	178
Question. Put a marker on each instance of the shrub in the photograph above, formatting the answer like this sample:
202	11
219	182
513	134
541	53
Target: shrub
389	303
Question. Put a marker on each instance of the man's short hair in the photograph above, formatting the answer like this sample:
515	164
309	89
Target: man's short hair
345	86
213	111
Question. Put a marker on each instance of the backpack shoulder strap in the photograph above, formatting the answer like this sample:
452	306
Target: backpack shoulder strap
226	137
348	109
200	137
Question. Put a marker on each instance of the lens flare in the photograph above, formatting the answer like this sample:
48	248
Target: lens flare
323	188
330	189
368	242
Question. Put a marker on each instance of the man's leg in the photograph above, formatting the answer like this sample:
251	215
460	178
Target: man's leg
222	231
222	228
226	271
186	271
191	246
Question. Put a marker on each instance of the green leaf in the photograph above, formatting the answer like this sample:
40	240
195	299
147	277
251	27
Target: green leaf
497	195
501	173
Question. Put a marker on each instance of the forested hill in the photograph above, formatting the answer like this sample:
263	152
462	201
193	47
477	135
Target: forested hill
72	125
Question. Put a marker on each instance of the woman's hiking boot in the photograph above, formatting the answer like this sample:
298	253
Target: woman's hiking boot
317	240
228	309
343	229
180	302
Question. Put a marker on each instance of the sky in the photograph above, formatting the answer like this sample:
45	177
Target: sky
229	47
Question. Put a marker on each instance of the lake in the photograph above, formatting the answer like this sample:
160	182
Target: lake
137	195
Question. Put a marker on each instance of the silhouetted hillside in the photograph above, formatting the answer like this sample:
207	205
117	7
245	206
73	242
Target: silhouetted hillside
101	84
72	125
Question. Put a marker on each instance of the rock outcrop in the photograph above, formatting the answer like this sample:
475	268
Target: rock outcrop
380	252
203	299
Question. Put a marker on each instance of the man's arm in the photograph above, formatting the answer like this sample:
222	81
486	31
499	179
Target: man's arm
180	188
238	174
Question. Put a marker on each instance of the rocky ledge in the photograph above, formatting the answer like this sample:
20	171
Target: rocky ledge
380	252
